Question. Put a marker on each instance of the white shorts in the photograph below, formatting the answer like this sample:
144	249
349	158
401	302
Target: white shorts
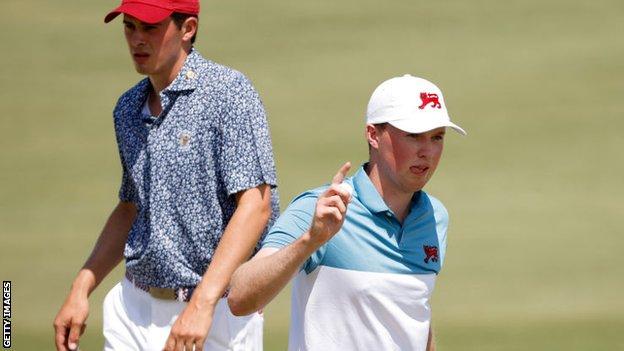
134	320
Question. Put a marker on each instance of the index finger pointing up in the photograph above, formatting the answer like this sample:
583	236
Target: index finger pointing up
342	173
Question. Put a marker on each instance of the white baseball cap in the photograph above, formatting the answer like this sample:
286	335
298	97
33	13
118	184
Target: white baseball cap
412	104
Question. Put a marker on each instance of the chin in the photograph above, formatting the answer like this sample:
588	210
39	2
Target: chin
418	186
412	187
141	70
417	189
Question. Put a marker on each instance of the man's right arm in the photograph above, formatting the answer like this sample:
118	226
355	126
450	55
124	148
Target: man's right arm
106	255
257	282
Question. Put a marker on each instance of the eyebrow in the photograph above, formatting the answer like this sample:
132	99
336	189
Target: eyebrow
442	132
143	24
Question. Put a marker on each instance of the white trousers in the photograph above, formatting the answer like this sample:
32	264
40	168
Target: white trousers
134	320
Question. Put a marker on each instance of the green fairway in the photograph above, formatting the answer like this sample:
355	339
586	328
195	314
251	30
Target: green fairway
534	191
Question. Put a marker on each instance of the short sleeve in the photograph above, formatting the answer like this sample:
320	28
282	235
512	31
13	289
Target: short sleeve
289	227
246	158
127	190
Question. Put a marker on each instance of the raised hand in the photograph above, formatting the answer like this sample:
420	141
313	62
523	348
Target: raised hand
331	208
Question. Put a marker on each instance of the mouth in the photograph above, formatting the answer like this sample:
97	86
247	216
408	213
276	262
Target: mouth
419	170
140	57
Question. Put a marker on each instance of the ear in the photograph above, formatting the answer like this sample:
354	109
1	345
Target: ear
372	136
189	28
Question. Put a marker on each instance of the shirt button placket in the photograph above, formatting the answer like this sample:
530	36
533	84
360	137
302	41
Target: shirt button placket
152	172
395	226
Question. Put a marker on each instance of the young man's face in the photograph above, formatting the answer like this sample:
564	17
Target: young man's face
155	48
407	160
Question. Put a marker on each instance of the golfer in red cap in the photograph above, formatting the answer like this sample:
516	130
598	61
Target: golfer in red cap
198	191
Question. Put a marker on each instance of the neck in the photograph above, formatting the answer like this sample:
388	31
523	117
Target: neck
398	201
162	80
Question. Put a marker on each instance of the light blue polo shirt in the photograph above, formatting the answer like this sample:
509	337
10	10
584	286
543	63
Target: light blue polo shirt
368	288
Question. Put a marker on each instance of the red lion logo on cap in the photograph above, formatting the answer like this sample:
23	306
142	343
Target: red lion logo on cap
432	253
428	98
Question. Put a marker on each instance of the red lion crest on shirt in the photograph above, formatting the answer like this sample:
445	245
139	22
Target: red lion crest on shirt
432	253
428	98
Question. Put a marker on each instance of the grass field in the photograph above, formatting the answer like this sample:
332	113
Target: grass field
535	191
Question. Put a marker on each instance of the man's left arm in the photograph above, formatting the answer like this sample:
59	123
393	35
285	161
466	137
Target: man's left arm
241	235
430	341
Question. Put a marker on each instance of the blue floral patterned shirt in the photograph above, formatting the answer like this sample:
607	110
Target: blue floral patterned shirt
182	168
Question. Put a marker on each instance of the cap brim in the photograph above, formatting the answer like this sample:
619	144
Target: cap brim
142	12
410	127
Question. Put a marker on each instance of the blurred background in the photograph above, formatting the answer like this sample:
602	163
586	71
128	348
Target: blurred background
534	191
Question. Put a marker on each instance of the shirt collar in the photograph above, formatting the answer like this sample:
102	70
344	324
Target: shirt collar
141	90
188	75
367	193
370	197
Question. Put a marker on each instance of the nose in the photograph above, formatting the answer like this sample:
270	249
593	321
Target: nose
425	149
136	38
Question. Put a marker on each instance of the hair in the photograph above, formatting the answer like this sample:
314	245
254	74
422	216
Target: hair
381	126
179	18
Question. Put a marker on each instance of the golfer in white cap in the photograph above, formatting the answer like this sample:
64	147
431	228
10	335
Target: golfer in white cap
365	250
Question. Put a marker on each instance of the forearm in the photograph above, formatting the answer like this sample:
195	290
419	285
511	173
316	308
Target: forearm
430	341
236	245
258	281
108	250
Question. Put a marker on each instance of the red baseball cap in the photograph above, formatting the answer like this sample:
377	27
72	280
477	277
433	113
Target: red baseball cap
153	11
